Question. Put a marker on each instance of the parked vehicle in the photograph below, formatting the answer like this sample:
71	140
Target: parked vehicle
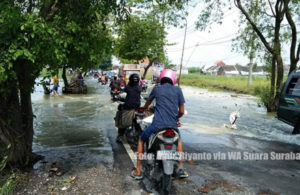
46	87
289	102
82	89
161	166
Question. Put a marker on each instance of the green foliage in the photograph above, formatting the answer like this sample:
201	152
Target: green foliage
265	95
196	70
235	83
168	13
105	63
140	38
9	186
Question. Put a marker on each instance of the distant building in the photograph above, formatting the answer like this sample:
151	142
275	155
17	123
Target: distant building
234	70
227	70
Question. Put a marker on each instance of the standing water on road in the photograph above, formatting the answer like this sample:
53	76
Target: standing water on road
72	129
209	111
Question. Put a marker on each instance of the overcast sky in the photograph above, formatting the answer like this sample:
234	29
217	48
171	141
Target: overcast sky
205	48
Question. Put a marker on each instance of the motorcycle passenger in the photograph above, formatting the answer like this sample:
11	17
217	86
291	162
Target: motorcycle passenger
114	84
122	81
169	108
143	83
132	100
103	78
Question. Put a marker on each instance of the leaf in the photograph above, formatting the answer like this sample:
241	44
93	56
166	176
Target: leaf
17	54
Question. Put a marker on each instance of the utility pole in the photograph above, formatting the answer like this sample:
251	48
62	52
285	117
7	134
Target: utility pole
182	52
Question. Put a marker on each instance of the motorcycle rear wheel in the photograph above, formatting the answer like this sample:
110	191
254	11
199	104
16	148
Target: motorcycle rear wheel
166	184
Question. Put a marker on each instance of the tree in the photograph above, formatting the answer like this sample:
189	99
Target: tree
48	34
247	41
85	37
33	37
105	63
140	38
270	30
165	12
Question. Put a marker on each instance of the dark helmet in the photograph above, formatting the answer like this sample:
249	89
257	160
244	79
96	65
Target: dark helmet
134	78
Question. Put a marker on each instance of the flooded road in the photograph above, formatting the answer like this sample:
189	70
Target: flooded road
258	135
75	130
209	111
72	129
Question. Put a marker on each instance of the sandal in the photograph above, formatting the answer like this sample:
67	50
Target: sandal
182	174
136	177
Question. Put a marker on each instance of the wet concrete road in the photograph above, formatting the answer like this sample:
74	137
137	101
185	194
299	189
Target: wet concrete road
78	130
257	134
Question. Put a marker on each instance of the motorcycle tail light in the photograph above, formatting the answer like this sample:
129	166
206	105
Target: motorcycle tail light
169	133
140	110
168	146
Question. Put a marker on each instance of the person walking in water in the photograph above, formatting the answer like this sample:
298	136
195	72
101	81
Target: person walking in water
55	85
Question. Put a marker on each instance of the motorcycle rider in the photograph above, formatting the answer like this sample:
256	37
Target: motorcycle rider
169	108
132	100
114	84
143	83
122	81
104	78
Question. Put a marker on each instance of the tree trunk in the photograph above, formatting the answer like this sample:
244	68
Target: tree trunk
10	123
16	122
279	75
64	77
273	76
147	67
250	72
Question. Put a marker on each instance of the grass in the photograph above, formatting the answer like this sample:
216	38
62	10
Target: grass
8	184
237	84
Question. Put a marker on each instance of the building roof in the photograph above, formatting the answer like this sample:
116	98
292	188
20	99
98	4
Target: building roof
229	68
220	63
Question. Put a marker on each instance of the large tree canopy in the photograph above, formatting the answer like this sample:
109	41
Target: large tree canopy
140	38
44	34
54	34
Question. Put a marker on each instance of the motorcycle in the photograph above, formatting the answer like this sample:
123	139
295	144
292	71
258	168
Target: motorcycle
144	86
122	87
115	95
134	131
161	167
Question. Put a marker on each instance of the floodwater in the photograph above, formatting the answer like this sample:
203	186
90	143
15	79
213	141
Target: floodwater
209	111
73	130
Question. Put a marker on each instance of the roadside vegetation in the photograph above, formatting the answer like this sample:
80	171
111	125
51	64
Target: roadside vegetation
238	84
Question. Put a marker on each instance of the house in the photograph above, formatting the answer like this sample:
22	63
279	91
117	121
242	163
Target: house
228	70
213	70
234	70
243	70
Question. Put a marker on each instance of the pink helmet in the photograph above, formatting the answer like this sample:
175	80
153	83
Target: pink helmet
169	74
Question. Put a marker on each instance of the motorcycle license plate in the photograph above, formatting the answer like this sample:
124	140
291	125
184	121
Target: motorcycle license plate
167	155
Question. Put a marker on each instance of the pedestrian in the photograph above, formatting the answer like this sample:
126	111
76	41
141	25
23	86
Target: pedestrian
55	85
